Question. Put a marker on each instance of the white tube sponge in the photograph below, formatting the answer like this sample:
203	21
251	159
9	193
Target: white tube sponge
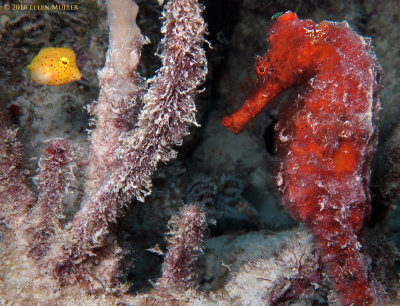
123	53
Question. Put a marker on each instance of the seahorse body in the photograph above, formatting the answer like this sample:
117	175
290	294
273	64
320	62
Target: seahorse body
324	140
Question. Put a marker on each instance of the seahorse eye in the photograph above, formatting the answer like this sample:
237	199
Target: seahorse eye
261	69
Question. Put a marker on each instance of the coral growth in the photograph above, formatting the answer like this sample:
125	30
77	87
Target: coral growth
325	139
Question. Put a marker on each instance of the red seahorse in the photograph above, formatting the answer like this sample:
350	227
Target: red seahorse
324	140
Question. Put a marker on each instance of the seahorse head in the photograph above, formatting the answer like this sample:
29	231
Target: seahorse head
293	47
295	53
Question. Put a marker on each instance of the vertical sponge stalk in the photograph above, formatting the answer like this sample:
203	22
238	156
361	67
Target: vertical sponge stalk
122	89
52	182
185	239
16	198
169	107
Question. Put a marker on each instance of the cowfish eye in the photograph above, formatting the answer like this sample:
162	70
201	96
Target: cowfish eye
64	61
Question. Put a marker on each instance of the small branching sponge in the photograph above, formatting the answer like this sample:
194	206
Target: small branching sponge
184	241
52	182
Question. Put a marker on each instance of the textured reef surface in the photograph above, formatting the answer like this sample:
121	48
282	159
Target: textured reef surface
231	220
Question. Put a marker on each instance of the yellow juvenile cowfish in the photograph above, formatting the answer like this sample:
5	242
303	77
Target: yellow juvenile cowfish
54	66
